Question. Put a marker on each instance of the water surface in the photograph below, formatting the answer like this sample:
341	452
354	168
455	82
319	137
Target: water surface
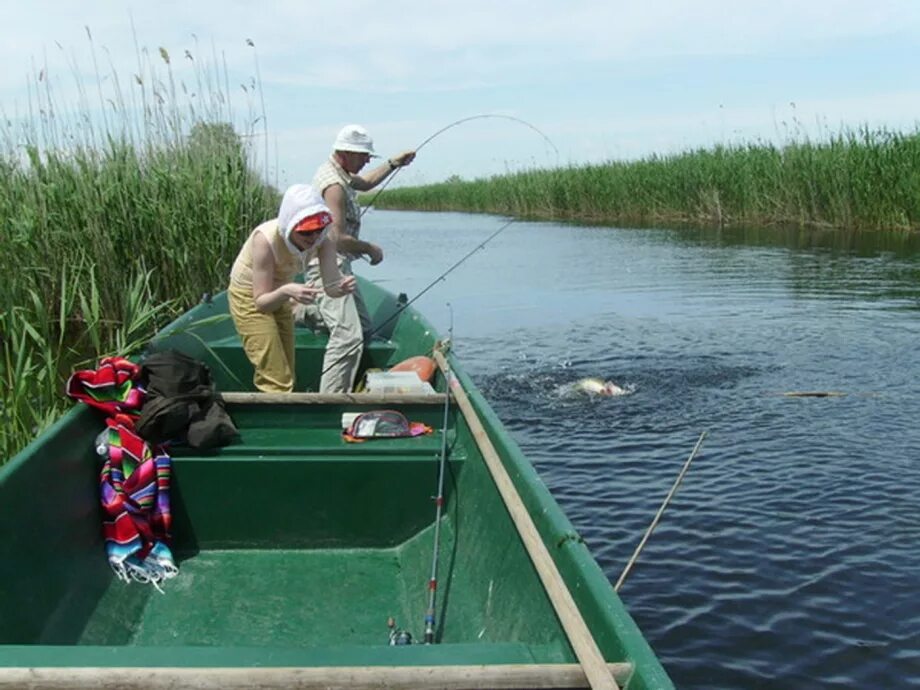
791	554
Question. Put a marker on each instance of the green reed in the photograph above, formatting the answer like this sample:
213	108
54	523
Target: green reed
117	212
858	179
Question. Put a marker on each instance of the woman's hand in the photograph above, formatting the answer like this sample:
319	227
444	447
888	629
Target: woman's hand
300	293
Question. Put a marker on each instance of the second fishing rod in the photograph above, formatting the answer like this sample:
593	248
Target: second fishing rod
403	306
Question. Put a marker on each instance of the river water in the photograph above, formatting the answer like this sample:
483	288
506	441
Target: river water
791	554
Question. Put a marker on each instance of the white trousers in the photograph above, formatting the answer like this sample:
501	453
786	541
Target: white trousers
348	322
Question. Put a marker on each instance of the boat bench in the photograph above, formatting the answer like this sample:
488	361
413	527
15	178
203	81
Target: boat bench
313	430
309	350
313	489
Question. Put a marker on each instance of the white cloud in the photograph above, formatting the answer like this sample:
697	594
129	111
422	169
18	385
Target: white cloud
449	59
360	44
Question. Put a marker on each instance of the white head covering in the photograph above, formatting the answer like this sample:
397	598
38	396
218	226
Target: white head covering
354	138
299	201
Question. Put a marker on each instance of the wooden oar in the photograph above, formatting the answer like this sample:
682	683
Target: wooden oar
586	649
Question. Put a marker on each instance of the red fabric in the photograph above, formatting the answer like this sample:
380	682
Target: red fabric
109	388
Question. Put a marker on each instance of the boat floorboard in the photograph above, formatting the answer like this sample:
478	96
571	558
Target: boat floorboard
247	597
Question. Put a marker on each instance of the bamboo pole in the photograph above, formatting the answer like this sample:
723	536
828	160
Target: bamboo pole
498	676
814	394
237	398
589	656
657	518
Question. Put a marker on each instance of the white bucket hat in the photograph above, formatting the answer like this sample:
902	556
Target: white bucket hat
354	138
300	201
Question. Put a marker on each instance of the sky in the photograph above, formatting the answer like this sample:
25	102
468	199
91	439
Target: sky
570	83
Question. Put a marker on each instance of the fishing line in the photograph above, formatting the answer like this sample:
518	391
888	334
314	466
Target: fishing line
456	123
430	285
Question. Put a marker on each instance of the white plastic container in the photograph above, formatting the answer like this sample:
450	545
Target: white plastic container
397	382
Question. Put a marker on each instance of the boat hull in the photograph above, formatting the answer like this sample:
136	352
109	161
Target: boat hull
295	547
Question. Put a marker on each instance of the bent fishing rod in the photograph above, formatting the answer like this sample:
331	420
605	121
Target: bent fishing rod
403	307
456	123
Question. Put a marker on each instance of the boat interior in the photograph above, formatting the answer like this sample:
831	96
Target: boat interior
289	538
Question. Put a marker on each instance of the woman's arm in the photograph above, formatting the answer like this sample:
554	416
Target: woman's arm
263	274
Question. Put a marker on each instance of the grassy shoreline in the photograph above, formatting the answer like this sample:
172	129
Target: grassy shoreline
111	225
102	249
856	180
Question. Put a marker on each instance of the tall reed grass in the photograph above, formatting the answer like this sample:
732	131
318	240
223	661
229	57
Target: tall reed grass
858	179
117	211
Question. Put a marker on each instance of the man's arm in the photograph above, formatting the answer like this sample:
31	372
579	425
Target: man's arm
334	196
372	178
334	283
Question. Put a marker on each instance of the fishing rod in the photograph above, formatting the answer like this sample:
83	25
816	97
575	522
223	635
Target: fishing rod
398	636
456	123
405	306
439	501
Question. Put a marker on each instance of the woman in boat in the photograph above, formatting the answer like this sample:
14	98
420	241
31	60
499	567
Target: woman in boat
347	320
262	286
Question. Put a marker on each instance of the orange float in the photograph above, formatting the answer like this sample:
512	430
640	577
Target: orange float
423	366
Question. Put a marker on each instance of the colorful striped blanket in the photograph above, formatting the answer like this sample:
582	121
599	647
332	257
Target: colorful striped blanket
134	481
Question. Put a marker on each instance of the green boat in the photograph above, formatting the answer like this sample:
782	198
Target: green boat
296	548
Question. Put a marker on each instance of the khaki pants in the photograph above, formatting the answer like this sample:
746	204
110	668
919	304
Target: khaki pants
347	321
268	340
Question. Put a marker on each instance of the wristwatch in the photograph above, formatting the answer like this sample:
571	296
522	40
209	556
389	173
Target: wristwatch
392	165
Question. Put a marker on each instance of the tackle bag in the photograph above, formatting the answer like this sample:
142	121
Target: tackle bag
182	403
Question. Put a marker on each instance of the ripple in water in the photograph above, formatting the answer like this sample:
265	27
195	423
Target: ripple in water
789	556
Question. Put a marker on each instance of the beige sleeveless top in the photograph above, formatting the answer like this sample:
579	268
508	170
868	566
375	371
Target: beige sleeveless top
287	262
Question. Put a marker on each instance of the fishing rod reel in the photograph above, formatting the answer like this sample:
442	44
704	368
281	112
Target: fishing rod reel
398	637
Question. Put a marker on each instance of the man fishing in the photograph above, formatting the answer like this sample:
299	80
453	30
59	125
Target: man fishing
346	318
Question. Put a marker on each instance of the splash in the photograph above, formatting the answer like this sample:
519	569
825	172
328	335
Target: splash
594	388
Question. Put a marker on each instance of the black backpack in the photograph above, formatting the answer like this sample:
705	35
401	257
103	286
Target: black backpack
182	403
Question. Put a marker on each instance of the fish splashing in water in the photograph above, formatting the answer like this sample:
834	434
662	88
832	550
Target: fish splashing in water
594	387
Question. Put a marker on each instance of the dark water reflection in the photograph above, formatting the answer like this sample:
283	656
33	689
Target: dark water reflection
790	554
